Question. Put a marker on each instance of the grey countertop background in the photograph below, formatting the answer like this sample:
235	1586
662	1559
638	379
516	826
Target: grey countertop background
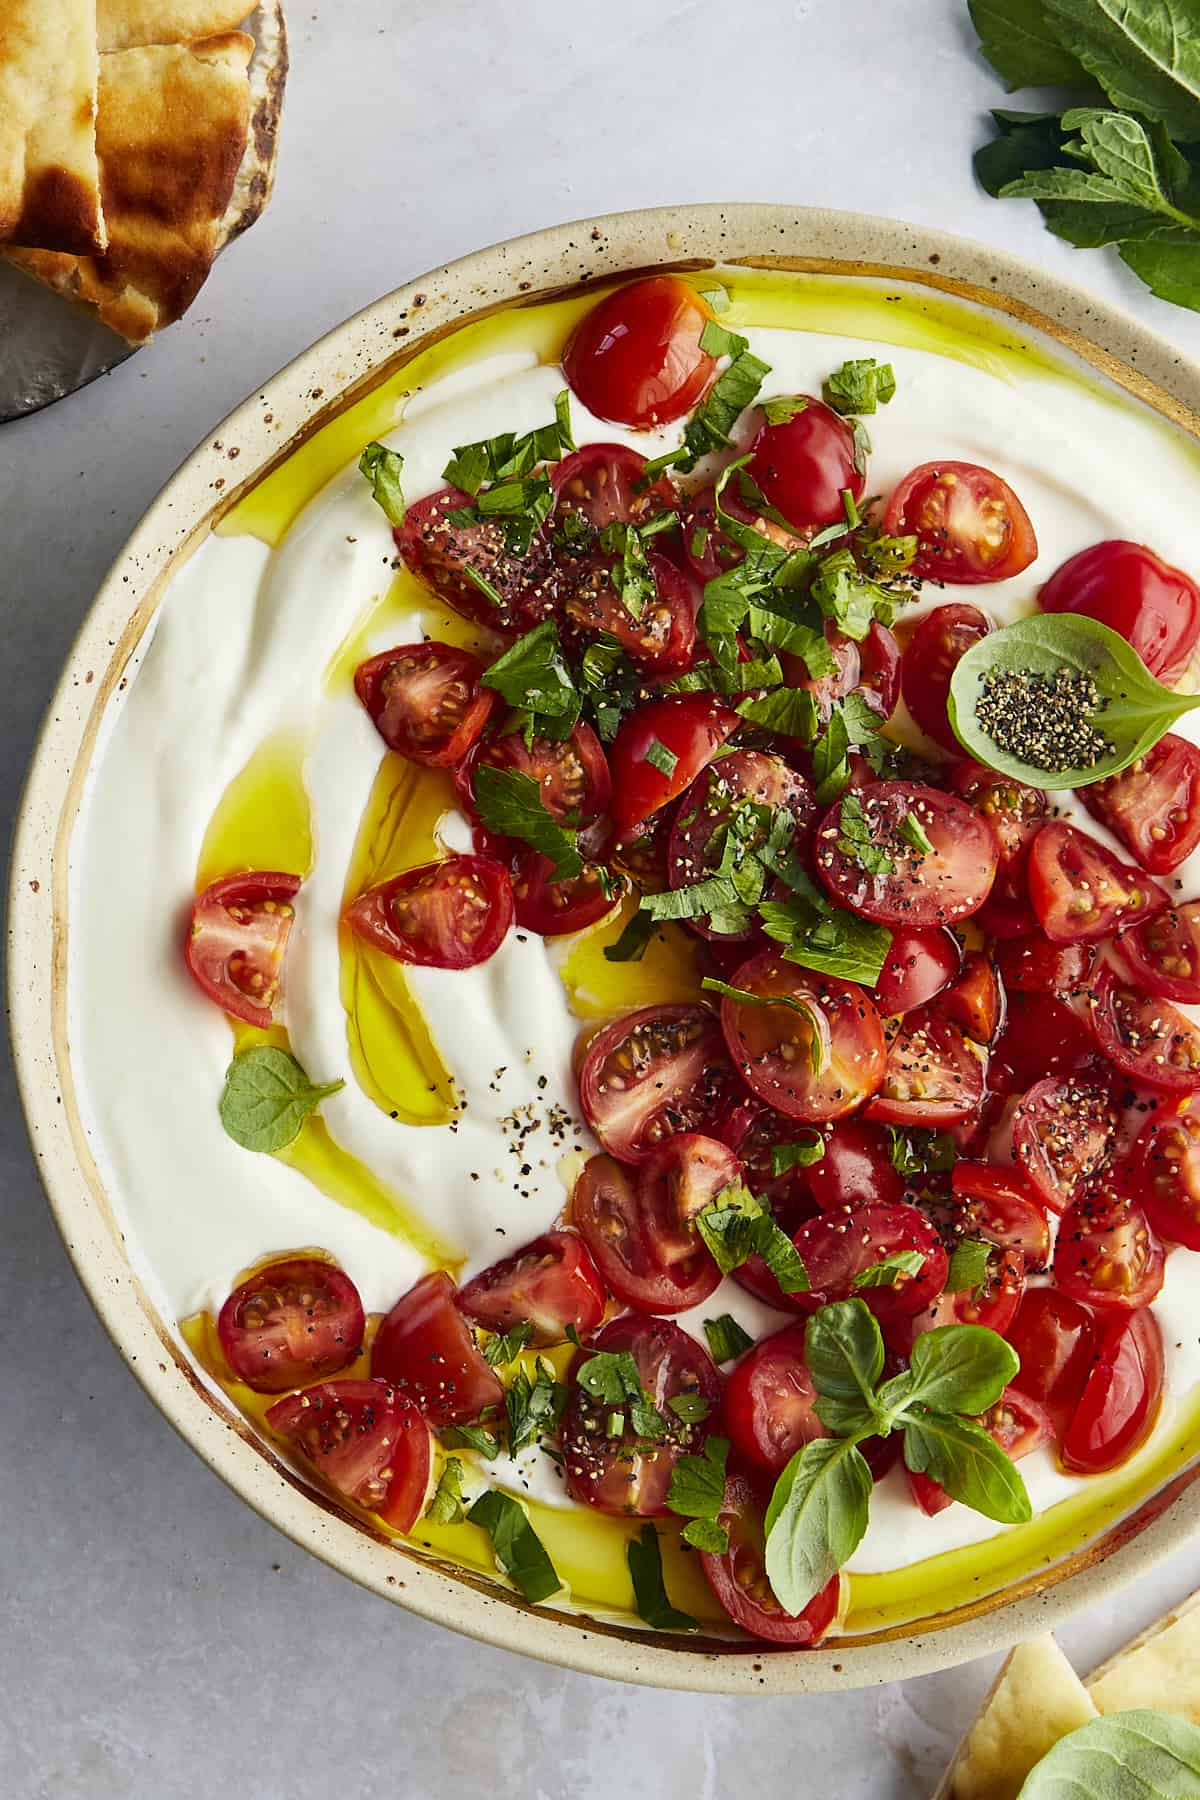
157	1640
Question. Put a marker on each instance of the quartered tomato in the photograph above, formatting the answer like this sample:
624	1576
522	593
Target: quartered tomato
366	1441
1165	1175
835	1247
690	728
812	1047
1153	806
551	1284
571	773
662	637
605	484
640	1226
1017	1423
975	1001
293	1321
508	594
1121	1400
426	701
612	1472
1055	1337
968	523
1041	1036
1081	891
918	965
1000	1205
1062	1131
1154	607
651	1074
1162	954
425	1349
722	795
770	1401
1106	1254
636	359
906	884
443	915
933	1078
738	1577
804	466
551	907
930	658
236	939
1014	811
1146	1037
1031	964
856	1169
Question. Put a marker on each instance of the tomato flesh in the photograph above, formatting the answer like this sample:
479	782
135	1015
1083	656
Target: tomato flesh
812	1047
424	1348
835	1247
804	466
551	1284
933	652
1055	1337
1081	891
856	1168
553	907
443	915
1042	1036
1154	607
425	701
636	359
236	941
293	1321
1146	1037
918	965
910	886
1153	806
1062	1133
653	1073
1106	1254
446	556
1166	1175
969	524
770	1401
366	1441
605	484
640	1227
1000	1205
1163	953
932	1078
722	793
572	773
1121	1399
738	1577
691	728
1031	964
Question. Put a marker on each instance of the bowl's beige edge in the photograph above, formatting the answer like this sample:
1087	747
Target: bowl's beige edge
284	411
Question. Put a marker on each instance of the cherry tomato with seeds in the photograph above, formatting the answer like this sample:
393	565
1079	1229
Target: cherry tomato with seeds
572	773
1121	1400
636	359
551	1284
552	907
904	882
811	1047
1031	964
651	1074
1146	1037
236	941
366	1441
1154	607
640	1227
993	1305
425	1349
1106	1254
293	1321
1165	1174
1082	892
1163	954
1001	1205
662	637
690	728
933	1077
754	1131
443	915
1055	1337
1014	811
1042	1036
721	793
425	701
856	1168
738	1577
975	1001
770	1402
1153	806
1062	1133
469	565
918	965
803	466
605	484
969	524
835	1247
930	658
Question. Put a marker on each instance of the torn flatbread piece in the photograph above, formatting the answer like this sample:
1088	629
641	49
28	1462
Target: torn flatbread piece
171	133
1160	1669
1036	1699
49	175
129	24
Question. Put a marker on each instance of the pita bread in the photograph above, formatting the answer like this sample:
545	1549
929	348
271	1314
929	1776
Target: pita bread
171	132
128	24
49	178
1160	1669
1036	1699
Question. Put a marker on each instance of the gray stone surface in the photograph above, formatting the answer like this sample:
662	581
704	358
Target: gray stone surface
157	1640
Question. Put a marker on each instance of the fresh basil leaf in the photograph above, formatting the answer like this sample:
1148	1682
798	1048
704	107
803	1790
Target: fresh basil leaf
726	1339
802	1153
860	386
1135	1755
267	1097
382	468
518	1549
696	902
690	1408
790	712
446	1507
1170	269
472	1437
759	672
968	1463
816	1519
784	408
795	636
634	938
717	298
1022	46
919	1152
562	418
716	340
969	1266
508	1345
644	1556
961	1368
697	1487
1134	709
533	676
510	803
847	596
888	1271
830	941
706	1534
831	760
1018	149
843	1348
630	574
711	425
1144	53
735	1226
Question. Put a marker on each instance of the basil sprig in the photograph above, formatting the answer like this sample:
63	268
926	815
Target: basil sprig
1135	710
819	1509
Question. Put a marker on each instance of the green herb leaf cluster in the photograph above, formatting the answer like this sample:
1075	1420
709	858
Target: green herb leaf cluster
533	676
735	1226
696	1493
511	804
382	468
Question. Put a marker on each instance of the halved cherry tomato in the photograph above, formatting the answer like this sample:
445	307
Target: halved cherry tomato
552	907
604	484
1014	811
662	637
707	548
993	1305
1041	1036
1106	1254
443	915
998	1204
642	852
446	555
969	524
1121	1400
1062	1131
293	1321
1055	1337
426	701
424	1347
551	1284
1165	1175
738	1577
1018	1425
236	940
930	658
770	1401
918	965
614	1473
636	359
803	466
812	1048
572	773
1147	1037
754	1131
856	1169
641	1227
691	728
1081	891
1154	607
1163	953
652	1073
913	886
932	1076
975	1001
1153	806
1006	913
726	790
1031	964
835	1247
366	1441
880	683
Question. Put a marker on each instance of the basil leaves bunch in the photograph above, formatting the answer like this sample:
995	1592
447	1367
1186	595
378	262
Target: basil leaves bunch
819	1510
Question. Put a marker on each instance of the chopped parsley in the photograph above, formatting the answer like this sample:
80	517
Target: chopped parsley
532	675
970	1262
634	939
518	1549
508	458
800	1154
446	1507
860	386
735	1226
660	758
382	468
726	1339
510	803
472	1437
783	408
921	1152
506	1347
644	1556
534	1406
854	838
697	1492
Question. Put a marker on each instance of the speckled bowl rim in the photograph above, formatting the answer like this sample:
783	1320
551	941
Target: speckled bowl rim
270	423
